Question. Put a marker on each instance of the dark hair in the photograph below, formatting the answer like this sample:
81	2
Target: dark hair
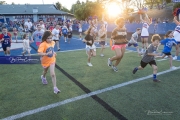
167	34
46	35
155	37
40	20
120	22
4	27
38	25
138	29
24	36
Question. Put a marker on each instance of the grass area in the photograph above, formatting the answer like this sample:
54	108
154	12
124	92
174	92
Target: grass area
22	90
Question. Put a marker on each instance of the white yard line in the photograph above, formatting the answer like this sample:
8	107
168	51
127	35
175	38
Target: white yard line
50	106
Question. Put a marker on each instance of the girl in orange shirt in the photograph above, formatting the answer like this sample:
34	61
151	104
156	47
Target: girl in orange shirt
46	50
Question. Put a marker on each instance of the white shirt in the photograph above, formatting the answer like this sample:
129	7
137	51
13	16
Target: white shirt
26	45
55	33
43	27
29	24
176	33
145	29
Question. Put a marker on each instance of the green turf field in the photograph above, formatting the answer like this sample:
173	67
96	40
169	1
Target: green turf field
22	90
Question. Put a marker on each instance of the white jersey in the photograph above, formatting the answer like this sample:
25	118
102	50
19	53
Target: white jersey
176	33
55	33
145	29
26	45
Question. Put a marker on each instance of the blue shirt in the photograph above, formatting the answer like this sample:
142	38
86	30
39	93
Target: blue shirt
168	43
64	31
7	39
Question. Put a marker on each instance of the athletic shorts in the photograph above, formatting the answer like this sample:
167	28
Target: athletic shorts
118	46
65	35
143	64
102	43
69	36
55	40
167	53
88	48
134	44
47	65
144	36
5	47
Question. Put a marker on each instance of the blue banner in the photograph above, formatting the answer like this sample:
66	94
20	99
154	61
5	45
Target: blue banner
20	59
176	1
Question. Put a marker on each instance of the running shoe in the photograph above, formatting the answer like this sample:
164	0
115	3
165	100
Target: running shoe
89	64
114	68
56	90
173	68
109	62
135	70
175	58
156	80
44	81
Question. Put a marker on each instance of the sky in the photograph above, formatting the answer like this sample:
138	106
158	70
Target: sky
66	3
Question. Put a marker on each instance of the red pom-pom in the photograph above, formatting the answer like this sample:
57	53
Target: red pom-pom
175	12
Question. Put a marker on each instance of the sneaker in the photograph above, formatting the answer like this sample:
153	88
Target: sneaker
44	81
89	64
109	62
135	70
175	58
114	68
166	57
56	90
102	55
59	49
173	68
156	80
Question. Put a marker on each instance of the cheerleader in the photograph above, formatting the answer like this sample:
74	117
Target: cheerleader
145	34
176	35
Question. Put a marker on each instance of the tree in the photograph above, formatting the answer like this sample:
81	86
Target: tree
59	5
65	9
138	4
2	2
12	3
177	5
83	11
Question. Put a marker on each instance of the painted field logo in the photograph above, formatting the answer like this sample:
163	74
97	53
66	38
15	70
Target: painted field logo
20	59
156	112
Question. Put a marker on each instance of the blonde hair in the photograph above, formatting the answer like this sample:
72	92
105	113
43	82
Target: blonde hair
155	37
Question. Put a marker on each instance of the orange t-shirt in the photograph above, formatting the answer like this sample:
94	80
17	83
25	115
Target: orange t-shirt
45	47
